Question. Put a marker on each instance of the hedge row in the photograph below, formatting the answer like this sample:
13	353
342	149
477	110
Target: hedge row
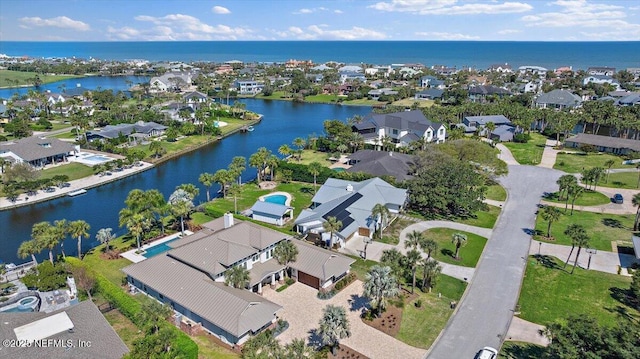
300	173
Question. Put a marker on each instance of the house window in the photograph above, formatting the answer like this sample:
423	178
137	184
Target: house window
255	258
441	132
394	131
161	296
244	264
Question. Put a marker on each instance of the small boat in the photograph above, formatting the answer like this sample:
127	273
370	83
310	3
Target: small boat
77	192
250	128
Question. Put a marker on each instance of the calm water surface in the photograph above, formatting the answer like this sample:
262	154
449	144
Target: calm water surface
283	121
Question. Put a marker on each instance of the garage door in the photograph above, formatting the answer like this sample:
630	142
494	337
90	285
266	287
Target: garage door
309	280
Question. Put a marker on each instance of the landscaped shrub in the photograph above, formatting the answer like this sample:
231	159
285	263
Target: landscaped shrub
342	283
588	148
326	294
281	326
184	346
48	277
418	303
289	281
521	138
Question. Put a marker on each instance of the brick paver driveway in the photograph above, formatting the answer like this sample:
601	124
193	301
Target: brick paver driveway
303	310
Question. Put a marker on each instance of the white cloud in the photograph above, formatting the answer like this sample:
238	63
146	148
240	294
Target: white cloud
338	11
449	7
610	19
509	31
446	36
309	10
322	32
123	33
62	22
220	10
187	27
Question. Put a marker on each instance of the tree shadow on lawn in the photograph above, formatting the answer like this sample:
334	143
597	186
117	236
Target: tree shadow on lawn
308	190
624	296
532	232
523	351
548	262
612	222
314	339
447	252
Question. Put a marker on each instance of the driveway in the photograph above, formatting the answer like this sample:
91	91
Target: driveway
303	310
486	310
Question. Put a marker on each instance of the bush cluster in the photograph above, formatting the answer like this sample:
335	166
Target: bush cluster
47	278
521	138
342	283
326	294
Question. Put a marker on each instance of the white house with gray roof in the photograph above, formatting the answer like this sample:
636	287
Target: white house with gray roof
190	277
401	128
351	203
37	151
558	99
138	130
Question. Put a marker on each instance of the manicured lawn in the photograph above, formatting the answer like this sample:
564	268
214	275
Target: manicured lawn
529	153
550	293
575	162
362	102
601	228
309	156
421	326
74	170
520	350
69	134
408	102
322	98
276	95
361	267
208	349
200	218
126	330
496	192
391	234
622	180
469	253
9	78
588	198
484	219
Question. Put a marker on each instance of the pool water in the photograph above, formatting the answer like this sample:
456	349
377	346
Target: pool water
338	169
276	198
97	158
160	248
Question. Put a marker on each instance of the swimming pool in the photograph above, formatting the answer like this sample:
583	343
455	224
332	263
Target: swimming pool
160	248
338	169
276	198
24	305
97	159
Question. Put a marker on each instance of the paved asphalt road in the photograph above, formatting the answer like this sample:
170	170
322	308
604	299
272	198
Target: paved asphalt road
485	312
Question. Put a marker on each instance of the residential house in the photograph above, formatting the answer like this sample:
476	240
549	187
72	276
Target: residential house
71	326
375	94
322	67
352	77
350	68
171	81
444	70
195	97
429	94
482	93
408	72
248	87
272	213
501	68
400	128
37	151
601	70
376	70
615	145
431	82
601	79
558	99
632	99
560	71
351	203
139	130
190	277
382	163
530	70
474	124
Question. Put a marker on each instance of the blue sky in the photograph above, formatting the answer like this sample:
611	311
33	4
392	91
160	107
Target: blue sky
146	20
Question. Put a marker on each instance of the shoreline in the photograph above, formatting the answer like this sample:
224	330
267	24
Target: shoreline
94	181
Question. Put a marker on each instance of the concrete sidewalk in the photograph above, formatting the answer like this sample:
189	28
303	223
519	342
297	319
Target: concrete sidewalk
505	155
521	330
549	154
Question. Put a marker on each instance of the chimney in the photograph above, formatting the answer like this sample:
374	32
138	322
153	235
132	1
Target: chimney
228	220
349	188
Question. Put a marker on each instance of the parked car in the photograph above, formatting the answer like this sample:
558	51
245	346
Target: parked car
487	353
617	198
49	189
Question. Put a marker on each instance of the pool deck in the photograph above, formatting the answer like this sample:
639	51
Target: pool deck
136	258
286	203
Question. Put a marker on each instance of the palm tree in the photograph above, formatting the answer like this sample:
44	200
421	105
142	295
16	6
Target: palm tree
136	223
272	163
314	169
237	166
575	232
458	239
582	242
235	190
575	191
105	236
223	177
284	150
429	246
237	277
380	284
207	180
334	326
43	235
181	205
430	271
298	349
412	259
285	252
331	225
381	213
609	164
414	240
597	174
79	229
636	203
550	214
29	248
490	127
300	143
563	184
60	231
156	148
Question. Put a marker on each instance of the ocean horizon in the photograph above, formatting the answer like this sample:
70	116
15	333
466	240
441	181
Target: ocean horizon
475	54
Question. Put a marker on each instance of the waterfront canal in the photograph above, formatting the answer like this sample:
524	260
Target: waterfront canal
283	121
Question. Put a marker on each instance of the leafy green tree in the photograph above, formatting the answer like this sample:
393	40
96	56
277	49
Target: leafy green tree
459	240
334	326
207	180
285	252
381	213
152	314
314	169
105	236
331	225
550	214
635	287
237	276
79	229
379	285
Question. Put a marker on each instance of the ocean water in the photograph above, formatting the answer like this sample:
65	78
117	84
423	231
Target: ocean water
478	54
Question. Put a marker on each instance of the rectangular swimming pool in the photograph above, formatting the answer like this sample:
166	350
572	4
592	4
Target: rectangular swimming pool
160	248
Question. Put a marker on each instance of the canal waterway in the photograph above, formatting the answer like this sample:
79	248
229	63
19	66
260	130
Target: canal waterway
115	83
283	121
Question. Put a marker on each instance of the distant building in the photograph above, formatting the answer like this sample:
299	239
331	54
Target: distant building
482	92
401	128
37	151
382	163
558	99
602	71
601	79
248	87
615	145
138	130
502	68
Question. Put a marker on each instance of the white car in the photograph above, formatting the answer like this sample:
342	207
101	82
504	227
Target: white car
487	353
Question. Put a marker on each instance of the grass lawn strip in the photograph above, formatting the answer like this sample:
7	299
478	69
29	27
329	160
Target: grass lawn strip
496	192
588	198
74	170
391	234
628	180
550	293
602	228
469	253
8	78
529	153
484	219
575	162
408	102
309	156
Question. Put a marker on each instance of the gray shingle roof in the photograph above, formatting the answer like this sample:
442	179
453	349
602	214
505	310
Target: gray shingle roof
237	311
319	262
270	208
406	120
113	131
559	97
34	147
380	163
89	325
605	141
487	90
483	120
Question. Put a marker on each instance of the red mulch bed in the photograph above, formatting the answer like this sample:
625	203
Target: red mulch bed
344	352
389	321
